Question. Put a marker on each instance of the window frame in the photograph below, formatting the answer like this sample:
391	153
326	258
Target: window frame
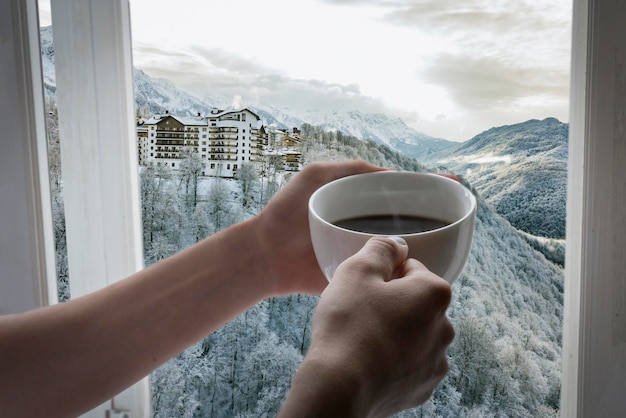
27	258
594	326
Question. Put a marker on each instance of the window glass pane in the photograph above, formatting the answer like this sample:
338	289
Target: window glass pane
54	151
464	88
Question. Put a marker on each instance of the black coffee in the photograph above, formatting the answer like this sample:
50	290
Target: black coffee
390	224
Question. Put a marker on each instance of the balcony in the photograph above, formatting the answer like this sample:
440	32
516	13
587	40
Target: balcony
222	129
169	135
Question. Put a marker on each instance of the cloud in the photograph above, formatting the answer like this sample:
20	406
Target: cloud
214	71
496	61
469	16
508	28
496	54
488	82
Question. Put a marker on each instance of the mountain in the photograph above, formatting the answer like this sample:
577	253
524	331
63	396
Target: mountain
520	169
156	95
375	127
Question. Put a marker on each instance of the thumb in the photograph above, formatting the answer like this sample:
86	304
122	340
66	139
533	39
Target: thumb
380	257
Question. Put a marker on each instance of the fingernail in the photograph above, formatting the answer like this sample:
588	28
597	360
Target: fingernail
399	240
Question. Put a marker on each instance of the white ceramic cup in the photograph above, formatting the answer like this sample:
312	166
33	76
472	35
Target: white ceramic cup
443	251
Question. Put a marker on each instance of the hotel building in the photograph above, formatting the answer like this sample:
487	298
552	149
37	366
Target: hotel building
224	140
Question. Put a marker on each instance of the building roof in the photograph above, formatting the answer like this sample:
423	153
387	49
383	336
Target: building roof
215	113
197	120
184	120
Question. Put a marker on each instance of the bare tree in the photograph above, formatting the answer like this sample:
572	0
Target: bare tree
247	176
190	169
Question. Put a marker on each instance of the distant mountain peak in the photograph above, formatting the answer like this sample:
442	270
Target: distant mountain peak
156	95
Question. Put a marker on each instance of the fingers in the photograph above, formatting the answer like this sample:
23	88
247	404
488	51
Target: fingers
380	258
386	314
417	279
324	172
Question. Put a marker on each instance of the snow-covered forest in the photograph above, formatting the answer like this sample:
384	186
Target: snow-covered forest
505	360
506	308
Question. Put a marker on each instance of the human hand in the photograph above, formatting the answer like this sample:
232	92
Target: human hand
283	228
379	337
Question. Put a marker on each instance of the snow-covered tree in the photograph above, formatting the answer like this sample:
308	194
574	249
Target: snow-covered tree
248	176
189	171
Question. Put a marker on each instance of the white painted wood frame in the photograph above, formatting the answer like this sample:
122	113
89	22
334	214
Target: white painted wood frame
594	340
27	266
96	110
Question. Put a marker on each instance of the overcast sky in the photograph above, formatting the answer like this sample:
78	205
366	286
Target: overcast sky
448	68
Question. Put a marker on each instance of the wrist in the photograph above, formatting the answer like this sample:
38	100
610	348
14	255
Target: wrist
249	251
260	251
324	386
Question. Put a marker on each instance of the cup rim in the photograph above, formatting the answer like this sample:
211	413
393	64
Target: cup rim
467	214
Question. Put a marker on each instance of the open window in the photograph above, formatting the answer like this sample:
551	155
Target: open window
594	350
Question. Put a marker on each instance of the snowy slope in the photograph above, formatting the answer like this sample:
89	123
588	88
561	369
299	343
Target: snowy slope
375	127
521	169
156	95
504	362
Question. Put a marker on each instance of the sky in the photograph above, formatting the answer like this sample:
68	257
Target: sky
448	68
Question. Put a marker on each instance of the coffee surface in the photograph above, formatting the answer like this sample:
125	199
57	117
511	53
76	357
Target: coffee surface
390	224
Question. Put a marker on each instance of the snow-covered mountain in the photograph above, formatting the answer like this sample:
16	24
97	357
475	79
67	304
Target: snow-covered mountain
375	127
156	95
520	169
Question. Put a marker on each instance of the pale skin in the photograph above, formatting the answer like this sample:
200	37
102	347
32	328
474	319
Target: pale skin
379	331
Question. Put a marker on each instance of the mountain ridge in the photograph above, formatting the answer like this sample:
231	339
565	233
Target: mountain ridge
156	95
520	169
